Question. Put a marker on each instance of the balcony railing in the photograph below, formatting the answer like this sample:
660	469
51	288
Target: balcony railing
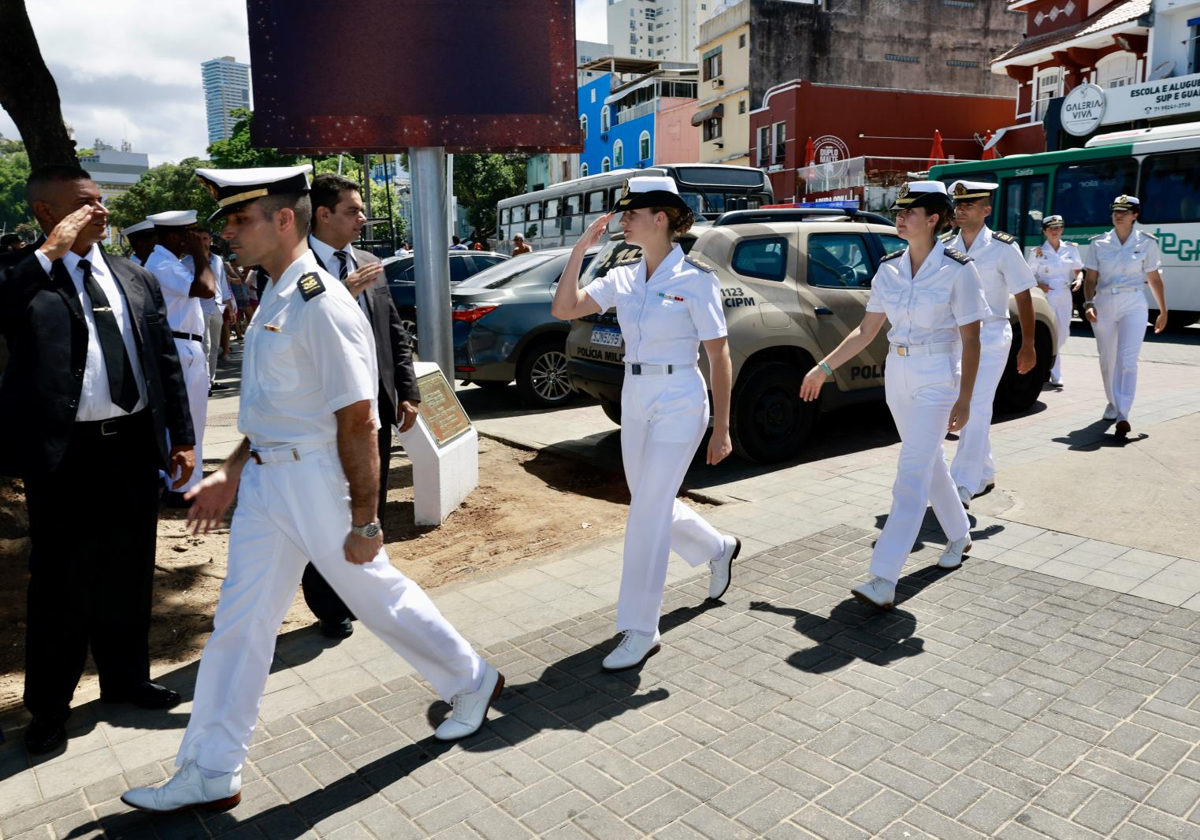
627	114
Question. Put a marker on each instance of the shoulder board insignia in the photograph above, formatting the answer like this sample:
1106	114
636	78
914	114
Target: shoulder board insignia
310	285
957	255
947	236
1150	236
699	263
1096	236
1004	237
894	254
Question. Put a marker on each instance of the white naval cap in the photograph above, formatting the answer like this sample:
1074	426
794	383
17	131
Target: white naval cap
1126	202
650	191
919	194
1053	221
173	218
140	227
971	190
234	188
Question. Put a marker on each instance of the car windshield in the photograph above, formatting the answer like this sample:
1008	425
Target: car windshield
508	272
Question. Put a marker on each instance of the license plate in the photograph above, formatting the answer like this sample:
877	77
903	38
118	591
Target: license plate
606	336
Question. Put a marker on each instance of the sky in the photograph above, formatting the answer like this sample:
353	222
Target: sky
130	69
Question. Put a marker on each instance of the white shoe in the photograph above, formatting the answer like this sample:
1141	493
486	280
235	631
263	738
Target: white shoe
721	568
952	557
876	591
1057	383
634	649
1111	412
964	496
469	708
188	789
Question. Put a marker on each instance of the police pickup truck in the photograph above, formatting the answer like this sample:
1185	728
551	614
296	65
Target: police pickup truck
794	283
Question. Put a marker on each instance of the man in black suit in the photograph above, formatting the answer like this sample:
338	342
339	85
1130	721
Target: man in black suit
338	220
92	387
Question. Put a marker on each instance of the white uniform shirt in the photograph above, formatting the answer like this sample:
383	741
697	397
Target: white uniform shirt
1123	265
1002	270
664	320
305	359
95	400
1056	269
929	308
183	311
214	305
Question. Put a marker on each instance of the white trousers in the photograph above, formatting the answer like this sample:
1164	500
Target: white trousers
289	514
1060	300
663	420
974	467
921	391
213	321
195	379
1120	329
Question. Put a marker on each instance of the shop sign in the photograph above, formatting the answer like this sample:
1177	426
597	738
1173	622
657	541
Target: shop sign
1083	110
1152	100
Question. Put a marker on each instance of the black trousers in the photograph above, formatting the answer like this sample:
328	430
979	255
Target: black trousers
93	527
325	604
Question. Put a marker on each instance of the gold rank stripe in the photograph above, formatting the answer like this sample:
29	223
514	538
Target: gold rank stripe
246	196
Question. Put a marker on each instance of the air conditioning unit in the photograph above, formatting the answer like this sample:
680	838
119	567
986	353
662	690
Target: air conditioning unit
720	83
604	137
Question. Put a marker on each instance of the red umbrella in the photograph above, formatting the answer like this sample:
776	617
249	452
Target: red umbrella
989	148
809	154
936	154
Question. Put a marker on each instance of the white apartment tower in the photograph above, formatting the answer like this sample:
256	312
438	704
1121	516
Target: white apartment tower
226	86
662	30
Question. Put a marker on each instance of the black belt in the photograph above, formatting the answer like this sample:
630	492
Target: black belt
116	426
186	336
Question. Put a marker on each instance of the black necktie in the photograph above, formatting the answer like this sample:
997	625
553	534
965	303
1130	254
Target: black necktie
343	265
122	386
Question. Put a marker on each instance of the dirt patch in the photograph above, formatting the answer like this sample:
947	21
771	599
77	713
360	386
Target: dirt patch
528	504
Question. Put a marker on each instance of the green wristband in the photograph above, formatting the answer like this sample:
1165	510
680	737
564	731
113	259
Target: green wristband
824	365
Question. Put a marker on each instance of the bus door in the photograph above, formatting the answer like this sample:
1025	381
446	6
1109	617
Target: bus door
1024	207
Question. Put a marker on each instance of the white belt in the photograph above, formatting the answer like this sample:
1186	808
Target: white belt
923	349
638	369
1118	290
280	454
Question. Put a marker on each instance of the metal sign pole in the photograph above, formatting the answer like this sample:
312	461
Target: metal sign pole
431	256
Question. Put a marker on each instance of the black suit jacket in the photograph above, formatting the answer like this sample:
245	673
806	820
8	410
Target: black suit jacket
392	349
42	320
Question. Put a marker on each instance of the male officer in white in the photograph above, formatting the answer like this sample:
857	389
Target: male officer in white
183	286
214	308
308	473
1003	272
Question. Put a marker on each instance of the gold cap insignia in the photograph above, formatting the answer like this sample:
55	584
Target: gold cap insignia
960	190
211	188
1122	199
903	191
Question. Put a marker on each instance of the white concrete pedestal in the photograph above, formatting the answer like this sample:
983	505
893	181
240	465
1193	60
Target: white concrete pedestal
443	474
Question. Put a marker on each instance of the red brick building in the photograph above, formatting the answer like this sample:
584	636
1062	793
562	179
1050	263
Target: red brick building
856	130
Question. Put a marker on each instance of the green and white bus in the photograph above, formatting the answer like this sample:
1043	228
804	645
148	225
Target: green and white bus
1161	166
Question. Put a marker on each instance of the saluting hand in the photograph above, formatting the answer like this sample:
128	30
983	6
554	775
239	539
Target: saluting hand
60	240
595	232
210	500
363	278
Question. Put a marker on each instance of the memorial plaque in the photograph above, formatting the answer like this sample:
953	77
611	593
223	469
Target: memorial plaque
441	410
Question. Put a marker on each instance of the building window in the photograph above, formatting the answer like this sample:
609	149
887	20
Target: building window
712	129
644	146
593	94
605	124
741	106
780	142
764	146
583	125
1049	86
907	59
618	154
956	63
1116	70
1193	49
605	165
962	4
712	64
583	170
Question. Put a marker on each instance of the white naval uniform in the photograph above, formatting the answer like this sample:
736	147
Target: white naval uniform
1002	272
663	419
304	360
184	315
1121	309
1058	269
214	312
925	314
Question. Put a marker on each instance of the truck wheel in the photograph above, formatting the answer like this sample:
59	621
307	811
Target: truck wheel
768	420
542	374
1017	393
612	410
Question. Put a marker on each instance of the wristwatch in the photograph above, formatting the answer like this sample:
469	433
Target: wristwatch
370	530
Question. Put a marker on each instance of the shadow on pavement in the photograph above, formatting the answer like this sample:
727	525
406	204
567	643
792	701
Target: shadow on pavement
1095	436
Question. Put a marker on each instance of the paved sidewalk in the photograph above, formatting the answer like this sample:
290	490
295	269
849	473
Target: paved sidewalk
992	702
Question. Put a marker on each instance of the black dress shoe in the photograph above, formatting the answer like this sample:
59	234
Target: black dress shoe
45	733
217	386
343	629
145	695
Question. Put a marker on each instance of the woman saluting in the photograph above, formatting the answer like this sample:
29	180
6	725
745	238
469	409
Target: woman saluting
667	305
932	297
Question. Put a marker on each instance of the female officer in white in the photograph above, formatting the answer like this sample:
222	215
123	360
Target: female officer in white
666	305
1118	266
1057	266
933	299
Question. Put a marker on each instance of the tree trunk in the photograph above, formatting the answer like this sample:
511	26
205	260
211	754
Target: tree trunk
28	91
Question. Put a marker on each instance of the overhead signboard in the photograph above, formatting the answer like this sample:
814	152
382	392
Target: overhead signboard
1083	110
388	75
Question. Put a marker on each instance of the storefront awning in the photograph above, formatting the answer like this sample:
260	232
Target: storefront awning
706	114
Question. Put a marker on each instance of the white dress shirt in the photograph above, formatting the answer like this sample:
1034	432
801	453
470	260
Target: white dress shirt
184	313
1123	265
1056	269
325	253
928	308
95	400
663	320
1002	270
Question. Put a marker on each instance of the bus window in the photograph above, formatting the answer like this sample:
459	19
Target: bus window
518	215
1170	189
505	216
533	211
1024	207
572	208
550	226
1082	192
595	201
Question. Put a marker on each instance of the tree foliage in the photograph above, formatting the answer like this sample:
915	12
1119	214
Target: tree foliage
14	171
168	186
480	181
